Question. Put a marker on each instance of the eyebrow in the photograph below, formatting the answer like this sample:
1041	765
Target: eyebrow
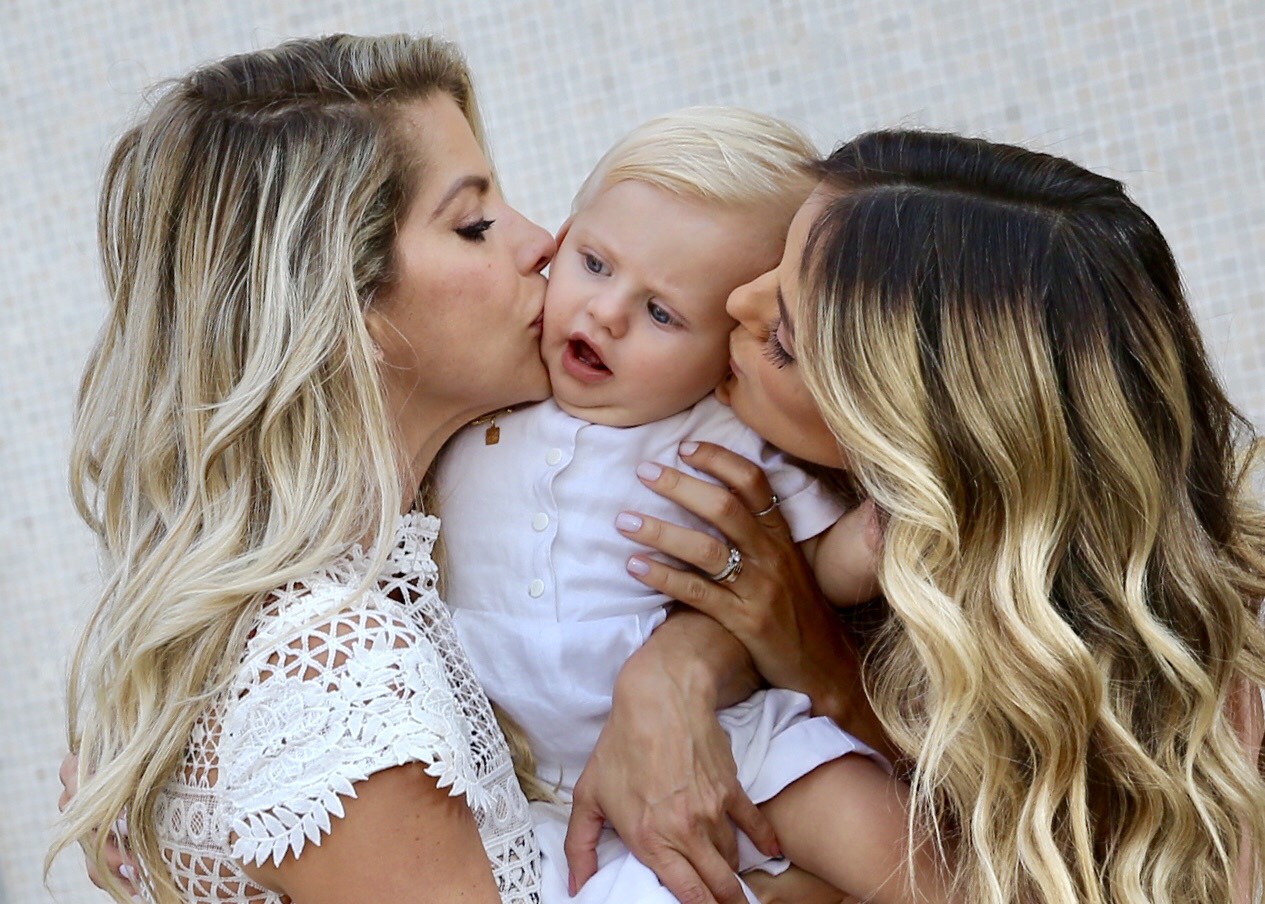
781	310
479	183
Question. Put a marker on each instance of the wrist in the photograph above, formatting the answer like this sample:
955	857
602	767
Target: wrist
652	674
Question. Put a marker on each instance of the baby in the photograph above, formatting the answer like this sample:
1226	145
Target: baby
679	213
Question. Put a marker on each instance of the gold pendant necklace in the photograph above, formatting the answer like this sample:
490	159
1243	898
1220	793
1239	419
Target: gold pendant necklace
492	435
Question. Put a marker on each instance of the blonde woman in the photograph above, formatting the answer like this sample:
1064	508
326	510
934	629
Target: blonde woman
314	282
995	343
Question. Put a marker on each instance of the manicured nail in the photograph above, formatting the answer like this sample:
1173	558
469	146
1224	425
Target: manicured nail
648	470
627	521
688	448
128	872
638	566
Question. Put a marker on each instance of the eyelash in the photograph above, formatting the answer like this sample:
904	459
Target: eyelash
774	350
652	306
590	260
474	232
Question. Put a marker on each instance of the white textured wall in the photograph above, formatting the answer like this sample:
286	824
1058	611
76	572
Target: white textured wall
1168	95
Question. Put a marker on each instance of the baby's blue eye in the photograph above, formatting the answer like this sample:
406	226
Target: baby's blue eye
660	314
593	264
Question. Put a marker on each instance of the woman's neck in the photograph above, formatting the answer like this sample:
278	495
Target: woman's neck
420	440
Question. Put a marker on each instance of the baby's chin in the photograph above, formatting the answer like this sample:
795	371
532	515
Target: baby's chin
607	414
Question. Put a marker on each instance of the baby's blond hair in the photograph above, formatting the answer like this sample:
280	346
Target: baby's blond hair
726	155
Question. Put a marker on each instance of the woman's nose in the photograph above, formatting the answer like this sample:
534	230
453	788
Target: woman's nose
538	248
742	302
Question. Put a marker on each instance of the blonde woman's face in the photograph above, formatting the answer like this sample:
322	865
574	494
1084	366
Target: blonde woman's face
765	389
459	325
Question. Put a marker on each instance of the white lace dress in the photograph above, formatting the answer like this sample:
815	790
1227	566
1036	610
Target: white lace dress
332	689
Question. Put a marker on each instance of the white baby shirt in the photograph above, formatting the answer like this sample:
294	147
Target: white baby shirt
540	597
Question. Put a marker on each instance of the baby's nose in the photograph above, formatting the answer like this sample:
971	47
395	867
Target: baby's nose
609	311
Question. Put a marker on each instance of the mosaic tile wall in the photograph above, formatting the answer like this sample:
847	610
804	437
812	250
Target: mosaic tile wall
1167	95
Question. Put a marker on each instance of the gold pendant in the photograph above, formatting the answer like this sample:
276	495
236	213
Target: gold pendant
492	435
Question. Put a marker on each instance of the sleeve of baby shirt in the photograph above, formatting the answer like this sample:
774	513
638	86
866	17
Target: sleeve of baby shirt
807	506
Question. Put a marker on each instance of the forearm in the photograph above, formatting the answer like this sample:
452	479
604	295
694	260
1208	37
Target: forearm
696	657
830	676
663	773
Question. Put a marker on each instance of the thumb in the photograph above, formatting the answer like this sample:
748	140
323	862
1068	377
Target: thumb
584	828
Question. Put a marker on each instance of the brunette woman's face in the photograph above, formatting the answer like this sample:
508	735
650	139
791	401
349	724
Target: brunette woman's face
459	324
766	389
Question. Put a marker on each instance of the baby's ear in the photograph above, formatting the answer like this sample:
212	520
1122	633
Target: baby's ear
563	230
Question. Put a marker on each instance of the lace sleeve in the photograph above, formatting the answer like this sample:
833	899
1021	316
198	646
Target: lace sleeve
328	706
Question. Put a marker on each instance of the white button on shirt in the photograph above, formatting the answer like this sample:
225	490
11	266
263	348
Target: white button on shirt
550	656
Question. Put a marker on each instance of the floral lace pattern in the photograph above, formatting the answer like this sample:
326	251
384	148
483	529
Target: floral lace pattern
330	690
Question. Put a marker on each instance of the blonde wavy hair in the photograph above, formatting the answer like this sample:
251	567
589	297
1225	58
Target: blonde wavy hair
231	431
1074	561
722	155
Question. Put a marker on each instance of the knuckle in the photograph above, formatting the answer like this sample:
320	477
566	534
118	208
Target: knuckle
647	842
716	552
730	507
759	620
745	621
693	893
750	476
695	588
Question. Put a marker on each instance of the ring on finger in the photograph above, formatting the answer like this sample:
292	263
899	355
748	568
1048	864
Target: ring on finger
773	503
732	568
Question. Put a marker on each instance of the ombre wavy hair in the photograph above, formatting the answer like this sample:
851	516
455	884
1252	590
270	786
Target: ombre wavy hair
1074	558
231	431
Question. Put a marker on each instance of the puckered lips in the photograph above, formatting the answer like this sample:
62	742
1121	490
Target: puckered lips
582	360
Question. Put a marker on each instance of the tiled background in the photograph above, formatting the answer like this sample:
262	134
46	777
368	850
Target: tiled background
1168	95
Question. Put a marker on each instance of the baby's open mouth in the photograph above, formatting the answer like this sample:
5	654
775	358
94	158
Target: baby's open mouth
587	355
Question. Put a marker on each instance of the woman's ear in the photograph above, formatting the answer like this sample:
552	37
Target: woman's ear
379	328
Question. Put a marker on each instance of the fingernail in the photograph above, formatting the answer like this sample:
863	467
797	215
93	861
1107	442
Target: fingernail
571	884
688	448
128	872
627	521
638	566
648	470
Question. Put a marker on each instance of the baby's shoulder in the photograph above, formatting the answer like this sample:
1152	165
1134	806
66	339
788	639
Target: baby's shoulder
714	422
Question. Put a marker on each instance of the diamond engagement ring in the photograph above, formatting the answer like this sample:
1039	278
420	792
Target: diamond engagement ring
773	503
732	568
